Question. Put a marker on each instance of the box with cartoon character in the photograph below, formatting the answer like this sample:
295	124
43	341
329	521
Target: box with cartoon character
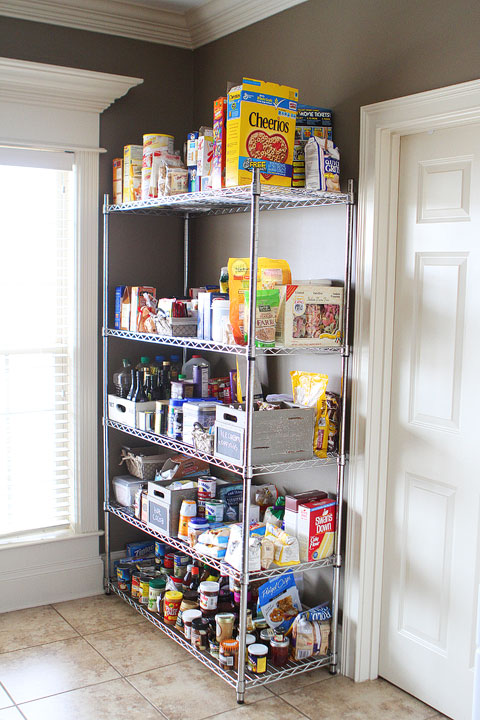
309	315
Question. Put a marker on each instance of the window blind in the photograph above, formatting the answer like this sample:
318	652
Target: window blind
37	331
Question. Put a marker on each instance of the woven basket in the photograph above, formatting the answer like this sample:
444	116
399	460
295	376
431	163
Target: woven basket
142	463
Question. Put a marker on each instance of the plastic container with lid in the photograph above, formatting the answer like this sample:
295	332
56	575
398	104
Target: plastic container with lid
188	510
224	626
175	419
228	655
220	317
198	633
196	527
171	605
156	590
187	368
209	596
257	658
188	616
125	488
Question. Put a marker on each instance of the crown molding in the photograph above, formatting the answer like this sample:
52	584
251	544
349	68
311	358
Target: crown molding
218	18
188	30
60	87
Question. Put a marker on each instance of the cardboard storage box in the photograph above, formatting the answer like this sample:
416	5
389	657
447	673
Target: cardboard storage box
164	506
282	435
316	529
309	315
126	411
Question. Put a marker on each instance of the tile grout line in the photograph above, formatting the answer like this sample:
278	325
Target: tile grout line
7	693
95	631
64	692
145	698
281	697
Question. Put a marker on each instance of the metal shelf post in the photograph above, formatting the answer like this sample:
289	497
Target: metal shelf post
106	472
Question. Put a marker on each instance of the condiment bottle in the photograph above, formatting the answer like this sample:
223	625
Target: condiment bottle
195	579
198	636
208	597
224	626
279	650
188	510
171	606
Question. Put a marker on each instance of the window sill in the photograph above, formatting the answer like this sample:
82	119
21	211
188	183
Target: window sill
40	538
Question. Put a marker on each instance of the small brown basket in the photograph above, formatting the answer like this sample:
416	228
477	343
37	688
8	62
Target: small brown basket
143	462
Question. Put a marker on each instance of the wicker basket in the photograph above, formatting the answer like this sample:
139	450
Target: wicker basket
143	462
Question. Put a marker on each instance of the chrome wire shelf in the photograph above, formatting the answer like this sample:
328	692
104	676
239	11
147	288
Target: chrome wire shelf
213	562
211	346
181	447
272	673
232	200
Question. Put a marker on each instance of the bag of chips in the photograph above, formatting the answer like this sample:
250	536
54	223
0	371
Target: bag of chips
270	274
309	389
268	302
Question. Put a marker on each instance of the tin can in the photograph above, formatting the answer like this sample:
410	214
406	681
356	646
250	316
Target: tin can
214	510
158	141
168	561
144	590
207	487
124	576
180	562
159	553
135	584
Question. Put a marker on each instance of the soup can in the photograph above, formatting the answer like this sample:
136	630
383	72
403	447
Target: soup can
214	510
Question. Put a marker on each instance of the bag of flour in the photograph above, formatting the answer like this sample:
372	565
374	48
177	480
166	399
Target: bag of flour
322	165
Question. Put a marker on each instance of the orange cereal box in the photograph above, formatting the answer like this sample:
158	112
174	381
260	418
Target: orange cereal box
260	132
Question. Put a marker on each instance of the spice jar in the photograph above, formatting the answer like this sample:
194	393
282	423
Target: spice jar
156	589
171	606
249	627
279	650
188	616
228	655
198	633
257	658
208	596
224	626
196	527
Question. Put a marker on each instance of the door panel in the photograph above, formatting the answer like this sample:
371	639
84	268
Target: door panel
431	562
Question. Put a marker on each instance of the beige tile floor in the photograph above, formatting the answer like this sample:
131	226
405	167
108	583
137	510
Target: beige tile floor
96	658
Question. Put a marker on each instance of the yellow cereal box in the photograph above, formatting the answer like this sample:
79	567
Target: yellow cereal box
260	132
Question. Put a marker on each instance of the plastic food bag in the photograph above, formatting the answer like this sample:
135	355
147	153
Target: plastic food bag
322	165
286	550
268	302
309	389
270	274
310	633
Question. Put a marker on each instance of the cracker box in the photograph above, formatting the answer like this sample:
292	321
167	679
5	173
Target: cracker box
219	142
309	315
132	172
138	302
117	181
316	529
260	132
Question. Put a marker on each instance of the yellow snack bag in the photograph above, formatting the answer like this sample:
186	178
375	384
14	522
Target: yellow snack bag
309	389
270	274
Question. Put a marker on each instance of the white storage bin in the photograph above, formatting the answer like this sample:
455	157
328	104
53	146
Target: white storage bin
125	488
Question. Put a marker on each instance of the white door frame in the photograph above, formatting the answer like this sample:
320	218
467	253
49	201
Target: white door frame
382	126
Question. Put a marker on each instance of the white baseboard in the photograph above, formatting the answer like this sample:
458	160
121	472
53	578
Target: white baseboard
44	573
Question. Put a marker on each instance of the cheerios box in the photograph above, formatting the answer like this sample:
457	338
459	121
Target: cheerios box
316	529
309	315
260	132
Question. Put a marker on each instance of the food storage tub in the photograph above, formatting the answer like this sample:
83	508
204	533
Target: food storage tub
124	489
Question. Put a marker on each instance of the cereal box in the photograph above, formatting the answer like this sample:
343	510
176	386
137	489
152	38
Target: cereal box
260	132
132	172
309	315
311	121
204	159
219	142
139	305
316	529
117	181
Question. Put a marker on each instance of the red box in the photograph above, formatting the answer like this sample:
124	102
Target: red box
219	142
316	529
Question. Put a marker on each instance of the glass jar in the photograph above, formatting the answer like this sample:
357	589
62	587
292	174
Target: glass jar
198	633
279	650
224	626
228	655
156	590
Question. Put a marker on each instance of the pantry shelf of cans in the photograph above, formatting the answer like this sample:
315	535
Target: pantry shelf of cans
242	616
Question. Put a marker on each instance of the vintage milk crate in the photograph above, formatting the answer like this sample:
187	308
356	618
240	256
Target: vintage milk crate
282	435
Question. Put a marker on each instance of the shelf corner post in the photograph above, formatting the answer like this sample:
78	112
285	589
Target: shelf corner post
106	483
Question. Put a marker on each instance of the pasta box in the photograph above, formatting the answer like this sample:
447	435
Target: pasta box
164	505
281	435
260	132
309	314
316	529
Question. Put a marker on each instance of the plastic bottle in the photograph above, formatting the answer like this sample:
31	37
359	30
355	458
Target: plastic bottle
175	366
122	379
156	365
187	368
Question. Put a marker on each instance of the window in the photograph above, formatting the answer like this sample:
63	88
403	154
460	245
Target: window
37	332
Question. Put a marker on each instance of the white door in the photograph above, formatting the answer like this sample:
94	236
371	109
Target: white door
431	561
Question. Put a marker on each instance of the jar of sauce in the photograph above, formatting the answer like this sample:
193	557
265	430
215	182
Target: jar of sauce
198	634
228	655
208	596
279	650
257	658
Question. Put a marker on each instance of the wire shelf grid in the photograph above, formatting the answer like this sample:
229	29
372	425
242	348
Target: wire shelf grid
211	346
213	562
232	200
164	441
272	673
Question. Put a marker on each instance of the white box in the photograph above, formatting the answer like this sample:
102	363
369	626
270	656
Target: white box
126	411
125	488
309	314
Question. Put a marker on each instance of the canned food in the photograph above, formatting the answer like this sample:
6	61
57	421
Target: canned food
168	561
124	576
159	553
180	561
135	584
257	658
214	510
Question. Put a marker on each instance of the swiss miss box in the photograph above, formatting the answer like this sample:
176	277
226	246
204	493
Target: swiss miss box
282	435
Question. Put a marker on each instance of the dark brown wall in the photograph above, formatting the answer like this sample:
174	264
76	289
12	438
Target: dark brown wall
343	54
